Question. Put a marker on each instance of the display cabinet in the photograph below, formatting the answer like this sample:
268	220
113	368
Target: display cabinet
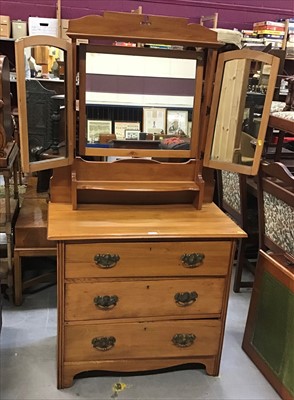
144	256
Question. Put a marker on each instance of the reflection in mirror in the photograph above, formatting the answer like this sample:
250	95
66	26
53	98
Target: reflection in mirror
239	113
139	101
45	98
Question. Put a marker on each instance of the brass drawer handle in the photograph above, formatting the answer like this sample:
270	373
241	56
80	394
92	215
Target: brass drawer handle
185	299
192	260
183	339
103	343
105	302
106	260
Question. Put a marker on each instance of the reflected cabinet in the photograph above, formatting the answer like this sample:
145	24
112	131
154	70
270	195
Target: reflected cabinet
144	256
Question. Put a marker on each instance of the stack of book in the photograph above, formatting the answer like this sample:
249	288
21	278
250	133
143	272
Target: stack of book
271	32
250	38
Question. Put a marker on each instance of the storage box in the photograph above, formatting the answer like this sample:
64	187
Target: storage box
5	26
43	26
19	29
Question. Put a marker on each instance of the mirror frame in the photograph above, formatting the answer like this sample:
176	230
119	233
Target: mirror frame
20	45
245	54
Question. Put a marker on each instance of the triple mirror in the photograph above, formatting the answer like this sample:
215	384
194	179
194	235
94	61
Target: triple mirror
142	102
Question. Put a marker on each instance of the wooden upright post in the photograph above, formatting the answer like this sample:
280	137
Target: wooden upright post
58	17
138	10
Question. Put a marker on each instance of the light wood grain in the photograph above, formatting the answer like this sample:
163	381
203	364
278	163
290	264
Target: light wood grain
133	298
143	28
145	222
152	259
137	340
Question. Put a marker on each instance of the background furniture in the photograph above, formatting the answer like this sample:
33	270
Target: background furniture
9	204
237	201
276	208
269	332
31	241
281	127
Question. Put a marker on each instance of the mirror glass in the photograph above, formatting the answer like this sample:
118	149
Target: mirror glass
138	101
45	99
239	112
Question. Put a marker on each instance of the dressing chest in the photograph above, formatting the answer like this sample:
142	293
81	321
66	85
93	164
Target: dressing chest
142	287
144	255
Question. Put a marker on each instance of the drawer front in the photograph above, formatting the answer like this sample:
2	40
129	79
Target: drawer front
140	340
147	259
106	300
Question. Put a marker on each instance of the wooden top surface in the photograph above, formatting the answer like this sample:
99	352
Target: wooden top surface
33	214
139	222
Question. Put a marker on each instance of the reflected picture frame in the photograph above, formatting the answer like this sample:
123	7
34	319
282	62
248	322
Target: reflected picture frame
95	128
132	134
154	120
177	122
120	127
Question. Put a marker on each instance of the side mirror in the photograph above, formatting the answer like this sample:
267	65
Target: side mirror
244	88
44	100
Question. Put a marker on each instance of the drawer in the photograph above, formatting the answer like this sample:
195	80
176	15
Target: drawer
140	340
173	297
147	259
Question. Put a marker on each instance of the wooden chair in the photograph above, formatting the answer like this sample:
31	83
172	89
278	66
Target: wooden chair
276	208
279	144
31	240
236	200
213	19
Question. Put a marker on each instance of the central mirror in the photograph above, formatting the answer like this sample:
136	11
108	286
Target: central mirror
135	98
240	110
